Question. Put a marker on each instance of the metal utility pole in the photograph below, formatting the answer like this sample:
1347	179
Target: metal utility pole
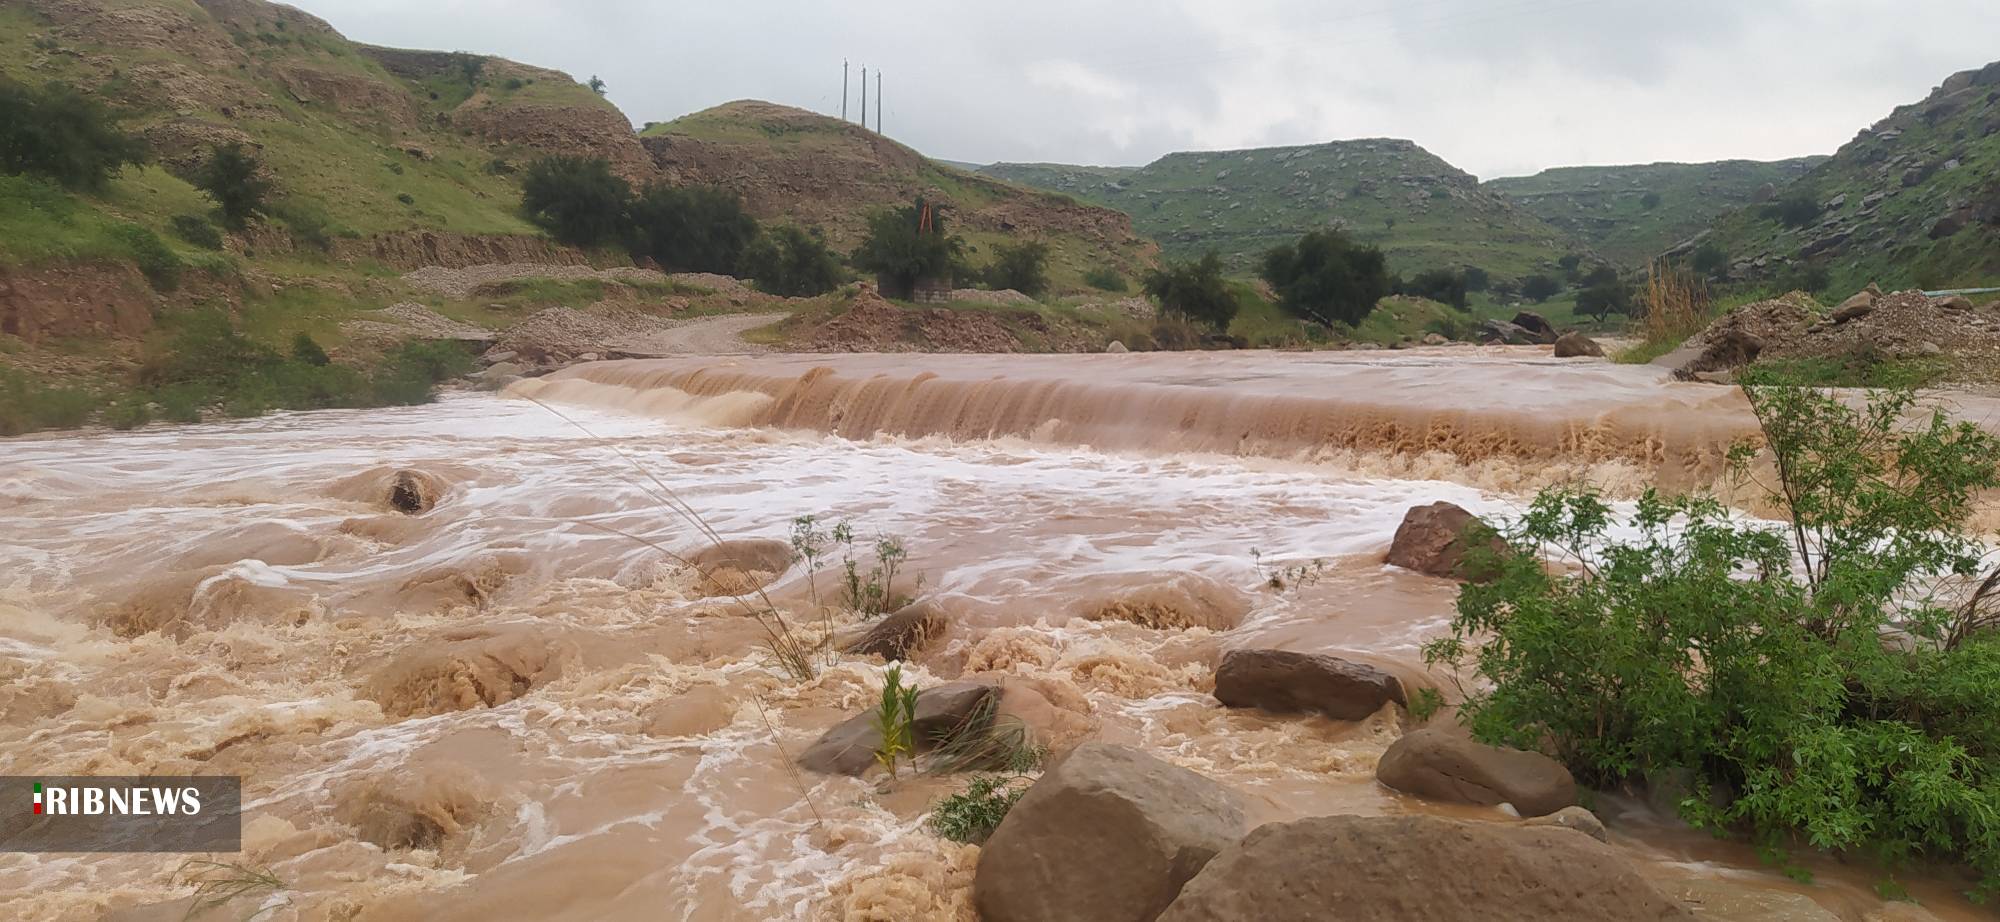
843	89
878	102
864	97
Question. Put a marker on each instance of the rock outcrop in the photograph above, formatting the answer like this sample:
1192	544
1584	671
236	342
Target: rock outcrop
1536	326
1108	834
1436	539
1441	766
1291	683
1417	869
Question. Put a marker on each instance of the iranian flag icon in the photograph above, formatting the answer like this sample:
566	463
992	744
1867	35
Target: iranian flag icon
38	798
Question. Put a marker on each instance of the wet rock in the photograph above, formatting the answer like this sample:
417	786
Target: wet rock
1574	344
465	668
1434	540
943	711
1728	901
1173	602
1537	328
1435	339
1441	766
1576	818
1501	332
740	566
1109	834
1286	682
1116	348
1726	351
414	492
901	633
1417	869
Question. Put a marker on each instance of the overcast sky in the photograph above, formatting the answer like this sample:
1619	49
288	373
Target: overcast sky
1497	87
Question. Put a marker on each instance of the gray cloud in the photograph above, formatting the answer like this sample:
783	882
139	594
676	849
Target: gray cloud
1496	86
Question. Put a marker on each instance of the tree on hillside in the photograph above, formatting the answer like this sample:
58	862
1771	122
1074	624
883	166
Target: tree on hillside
1797	208
596	84
1539	288
1649	201
232	178
469	67
1326	277
785	260
689	228
1022	267
1194	291
60	133
1605	298
1710	258
1476	279
1441	285
907	245
1569	262
576	199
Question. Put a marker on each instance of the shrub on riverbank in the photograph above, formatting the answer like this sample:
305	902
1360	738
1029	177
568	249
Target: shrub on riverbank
1817	684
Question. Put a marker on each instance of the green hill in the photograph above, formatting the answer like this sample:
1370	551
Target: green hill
1912	200
1422	211
1630	214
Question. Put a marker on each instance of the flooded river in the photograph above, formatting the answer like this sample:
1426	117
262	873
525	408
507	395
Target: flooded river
517	704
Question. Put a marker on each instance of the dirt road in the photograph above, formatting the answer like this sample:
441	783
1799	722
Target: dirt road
718	335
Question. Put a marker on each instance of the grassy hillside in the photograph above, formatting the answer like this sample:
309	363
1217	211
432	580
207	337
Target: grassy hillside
1912	200
1422	211
824	173
1630	214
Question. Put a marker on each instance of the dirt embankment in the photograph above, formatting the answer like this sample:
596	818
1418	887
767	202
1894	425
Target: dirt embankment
861	320
1960	338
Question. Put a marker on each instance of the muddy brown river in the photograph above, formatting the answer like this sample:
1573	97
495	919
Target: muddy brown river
518	705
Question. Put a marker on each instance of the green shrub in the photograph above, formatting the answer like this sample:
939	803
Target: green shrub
27	405
1795	209
307	220
406	198
1710	258
160	265
1194	292
1105	278
1649	201
307	350
1023	267
689	228
907	245
1811	684
129	411
1476	279
1327	278
576	199
197	230
788	261
1441	285
1604	299
232	178
1539	288
57	132
180	403
971	815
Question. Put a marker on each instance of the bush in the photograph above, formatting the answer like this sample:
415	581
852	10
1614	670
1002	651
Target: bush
906	245
971	815
1649	201
1023	267
128	412
1539	288
197	230
576	199
1326	278
1807	684
230	177
1476	279
1604	299
1105	278
1194	292
307	220
1710	258
57	132
689	228
406	198
159	264
1441	285
788	261
1795	209
27	405
307	350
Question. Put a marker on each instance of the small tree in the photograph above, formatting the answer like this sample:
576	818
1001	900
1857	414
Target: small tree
596	84
1539	288
1326	277
232	178
576	199
1649	201
1604	299
1194	291
1476	279
62	134
787	261
908	245
1022	267
1441	285
1797	208
1710	258
469	67
689	228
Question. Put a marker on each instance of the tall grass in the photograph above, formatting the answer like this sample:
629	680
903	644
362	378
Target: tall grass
1677	305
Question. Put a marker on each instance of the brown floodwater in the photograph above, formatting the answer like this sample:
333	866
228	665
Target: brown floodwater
518	704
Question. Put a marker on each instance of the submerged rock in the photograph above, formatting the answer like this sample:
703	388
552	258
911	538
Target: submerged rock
1441	766
1290	683
1576	818
740	566
901	633
1109	834
1574	344
1417	869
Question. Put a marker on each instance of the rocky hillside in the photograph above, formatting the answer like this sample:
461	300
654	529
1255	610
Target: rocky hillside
1912	200
1630	214
790	164
1422	211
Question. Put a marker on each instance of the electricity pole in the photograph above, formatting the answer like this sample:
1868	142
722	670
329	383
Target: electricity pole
843	89
864	97
878	102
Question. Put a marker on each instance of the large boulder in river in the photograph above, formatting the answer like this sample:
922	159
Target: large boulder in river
1435	539
1293	683
1574	345
1418	869
944	711
1492	332
1726	350
1536	327
1442	766
1107	835
901	633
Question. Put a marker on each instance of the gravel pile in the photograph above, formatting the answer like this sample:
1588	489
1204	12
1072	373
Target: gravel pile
410	320
561	334
711	282
462	283
982	296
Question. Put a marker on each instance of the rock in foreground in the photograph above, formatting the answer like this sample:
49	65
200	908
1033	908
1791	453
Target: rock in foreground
1291	683
942	711
1441	766
1108	835
1434	540
1417	869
